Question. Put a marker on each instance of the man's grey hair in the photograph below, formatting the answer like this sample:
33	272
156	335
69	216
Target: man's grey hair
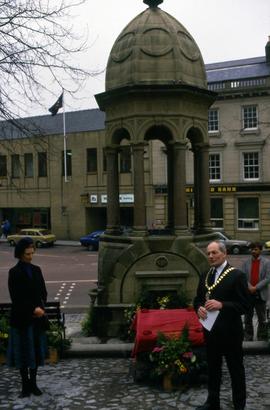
221	245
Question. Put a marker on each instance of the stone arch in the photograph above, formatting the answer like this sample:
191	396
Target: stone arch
115	135
196	135
150	126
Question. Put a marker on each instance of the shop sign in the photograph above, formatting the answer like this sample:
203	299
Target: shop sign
123	199
223	189
219	189
93	198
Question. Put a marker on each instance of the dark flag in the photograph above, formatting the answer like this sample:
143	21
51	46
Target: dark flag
56	106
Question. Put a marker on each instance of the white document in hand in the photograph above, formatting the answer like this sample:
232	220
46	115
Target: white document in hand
210	319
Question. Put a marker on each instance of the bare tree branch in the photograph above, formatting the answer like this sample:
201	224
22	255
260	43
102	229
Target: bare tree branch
38	49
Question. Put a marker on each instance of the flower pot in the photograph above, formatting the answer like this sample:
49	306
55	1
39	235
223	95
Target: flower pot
167	382
53	355
2	358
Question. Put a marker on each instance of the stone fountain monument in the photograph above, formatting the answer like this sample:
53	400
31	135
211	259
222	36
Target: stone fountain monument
156	88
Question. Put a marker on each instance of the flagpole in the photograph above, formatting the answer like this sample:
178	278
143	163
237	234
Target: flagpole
65	139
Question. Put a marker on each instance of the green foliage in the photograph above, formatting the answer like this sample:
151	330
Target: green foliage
4	332
173	355
55	337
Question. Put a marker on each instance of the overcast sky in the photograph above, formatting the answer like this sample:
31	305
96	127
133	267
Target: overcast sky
223	29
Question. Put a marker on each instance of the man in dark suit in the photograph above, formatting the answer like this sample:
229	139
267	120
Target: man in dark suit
223	289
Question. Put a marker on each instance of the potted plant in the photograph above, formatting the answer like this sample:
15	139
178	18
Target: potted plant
56	342
4	331
173	360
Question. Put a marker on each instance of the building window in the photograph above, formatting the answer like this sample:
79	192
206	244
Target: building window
216	212
251	167
42	164
125	159
250	117
15	166
214	167
3	165
248	213
28	165
213	121
68	162
91	160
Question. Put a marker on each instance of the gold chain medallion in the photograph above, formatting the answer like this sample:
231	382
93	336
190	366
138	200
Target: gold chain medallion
220	278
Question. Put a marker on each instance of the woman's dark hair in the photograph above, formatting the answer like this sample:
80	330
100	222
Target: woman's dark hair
23	244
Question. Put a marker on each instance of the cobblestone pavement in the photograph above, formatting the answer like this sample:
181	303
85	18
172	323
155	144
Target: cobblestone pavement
107	384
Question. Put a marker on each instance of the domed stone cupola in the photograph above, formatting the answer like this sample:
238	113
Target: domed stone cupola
156	104
155	49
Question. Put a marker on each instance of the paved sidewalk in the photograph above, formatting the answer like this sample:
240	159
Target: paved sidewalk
107	384
100	383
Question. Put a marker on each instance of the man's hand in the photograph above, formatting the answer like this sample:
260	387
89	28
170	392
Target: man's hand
251	288
213	304
202	313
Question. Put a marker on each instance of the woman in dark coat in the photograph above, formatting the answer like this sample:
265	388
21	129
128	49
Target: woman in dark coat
27	342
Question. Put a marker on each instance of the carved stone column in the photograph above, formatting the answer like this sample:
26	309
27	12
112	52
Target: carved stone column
170	173
113	207
139	224
196	190
179	191
203	187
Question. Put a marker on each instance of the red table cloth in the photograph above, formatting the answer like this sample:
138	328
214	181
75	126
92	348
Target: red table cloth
149	322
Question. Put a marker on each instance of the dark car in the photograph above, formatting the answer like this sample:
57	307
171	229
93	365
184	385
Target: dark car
233	246
91	241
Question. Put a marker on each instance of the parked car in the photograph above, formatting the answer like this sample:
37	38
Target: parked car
40	236
233	246
91	241
267	245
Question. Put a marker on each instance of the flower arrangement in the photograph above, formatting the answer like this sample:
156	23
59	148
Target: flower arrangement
163	301
4	331
174	356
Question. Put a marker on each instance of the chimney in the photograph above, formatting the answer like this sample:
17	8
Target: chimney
267	51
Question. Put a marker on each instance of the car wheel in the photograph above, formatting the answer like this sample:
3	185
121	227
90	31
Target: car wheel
235	250
38	244
90	247
12	243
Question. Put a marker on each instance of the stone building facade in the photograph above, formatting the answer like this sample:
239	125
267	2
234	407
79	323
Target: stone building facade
33	191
